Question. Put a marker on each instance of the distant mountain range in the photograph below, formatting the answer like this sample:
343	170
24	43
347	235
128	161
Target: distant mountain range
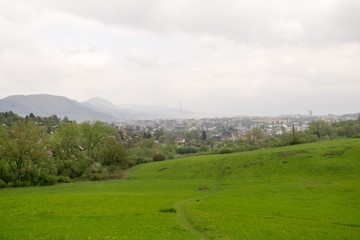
93	109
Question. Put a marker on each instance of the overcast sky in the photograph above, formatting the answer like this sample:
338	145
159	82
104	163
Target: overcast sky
243	57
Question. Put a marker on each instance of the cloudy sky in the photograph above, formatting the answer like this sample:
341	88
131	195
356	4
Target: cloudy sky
244	57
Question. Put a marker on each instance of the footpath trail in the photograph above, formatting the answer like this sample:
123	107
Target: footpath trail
182	213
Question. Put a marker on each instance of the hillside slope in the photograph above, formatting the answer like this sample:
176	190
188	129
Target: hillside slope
309	191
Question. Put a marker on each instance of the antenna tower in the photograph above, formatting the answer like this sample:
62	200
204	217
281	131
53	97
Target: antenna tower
180	109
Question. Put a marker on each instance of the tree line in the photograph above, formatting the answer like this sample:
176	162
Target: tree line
43	151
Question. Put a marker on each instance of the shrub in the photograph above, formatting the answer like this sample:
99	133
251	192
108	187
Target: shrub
96	177
159	157
46	179
115	175
186	150
19	183
63	179
203	148
3	184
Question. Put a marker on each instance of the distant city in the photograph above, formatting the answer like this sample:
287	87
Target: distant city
139	119
234	128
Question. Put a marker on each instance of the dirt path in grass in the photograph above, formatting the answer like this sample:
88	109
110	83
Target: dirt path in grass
182	214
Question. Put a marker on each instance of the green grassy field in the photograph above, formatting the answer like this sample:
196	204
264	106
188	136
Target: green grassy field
309	191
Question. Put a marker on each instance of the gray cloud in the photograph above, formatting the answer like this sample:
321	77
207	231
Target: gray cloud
239	57
255	21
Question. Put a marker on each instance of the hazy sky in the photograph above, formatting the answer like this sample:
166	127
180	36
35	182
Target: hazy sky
251	57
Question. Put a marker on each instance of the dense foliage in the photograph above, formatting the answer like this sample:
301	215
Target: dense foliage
43	151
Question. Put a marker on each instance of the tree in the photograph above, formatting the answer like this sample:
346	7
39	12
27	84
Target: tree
114	153
51	123
9	118
68	155
256	134
66	141
320	128
92	136
203	135
158	133
296	137
66	119
32	116
22	146
347	128
193	135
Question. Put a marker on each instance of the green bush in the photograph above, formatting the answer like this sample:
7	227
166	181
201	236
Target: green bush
186	150
19	183
96	177
46	179
3	184
159	157
63	179
226	150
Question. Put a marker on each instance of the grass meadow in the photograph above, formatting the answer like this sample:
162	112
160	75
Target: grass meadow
308	191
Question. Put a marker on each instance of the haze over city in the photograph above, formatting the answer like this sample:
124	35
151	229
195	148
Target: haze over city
222	57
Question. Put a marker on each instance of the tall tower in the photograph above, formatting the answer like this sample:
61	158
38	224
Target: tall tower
310	113
180	109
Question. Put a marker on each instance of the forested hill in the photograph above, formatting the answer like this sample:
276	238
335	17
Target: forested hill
46	105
